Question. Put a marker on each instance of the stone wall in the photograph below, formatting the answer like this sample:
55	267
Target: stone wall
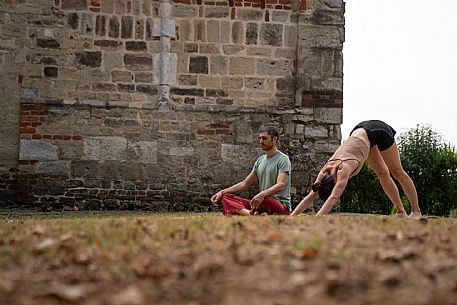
124	104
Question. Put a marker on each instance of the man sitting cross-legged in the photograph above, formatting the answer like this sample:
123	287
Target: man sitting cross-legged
272	170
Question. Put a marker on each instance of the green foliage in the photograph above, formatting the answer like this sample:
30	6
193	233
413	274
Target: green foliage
432	164
429	161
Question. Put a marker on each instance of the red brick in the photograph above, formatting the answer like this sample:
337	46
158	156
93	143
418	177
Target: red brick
231	3
27	130
95	9
219	125
284	1
26	124
302	5
233	13
20	79
57	137
77	137
47	137
30	118
36	137
222	131
206	131
36	124
66	138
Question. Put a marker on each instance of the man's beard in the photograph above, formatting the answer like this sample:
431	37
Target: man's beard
267	147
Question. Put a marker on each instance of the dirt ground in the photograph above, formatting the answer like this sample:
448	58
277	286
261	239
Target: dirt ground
210	259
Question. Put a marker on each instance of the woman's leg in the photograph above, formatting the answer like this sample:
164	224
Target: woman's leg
392	159
376	161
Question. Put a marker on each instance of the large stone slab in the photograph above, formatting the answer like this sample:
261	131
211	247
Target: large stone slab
143	151
105	148
37	150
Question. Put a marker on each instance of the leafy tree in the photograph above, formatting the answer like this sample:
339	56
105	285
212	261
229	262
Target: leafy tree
432	164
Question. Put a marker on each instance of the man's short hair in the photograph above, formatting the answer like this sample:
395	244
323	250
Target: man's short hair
271	130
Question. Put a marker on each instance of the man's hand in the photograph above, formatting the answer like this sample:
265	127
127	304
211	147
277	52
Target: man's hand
257	200
216	197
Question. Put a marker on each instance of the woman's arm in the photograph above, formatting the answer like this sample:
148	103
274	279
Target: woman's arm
305	203
338	189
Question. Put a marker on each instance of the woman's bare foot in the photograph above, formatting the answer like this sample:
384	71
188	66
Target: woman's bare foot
401	214
415	215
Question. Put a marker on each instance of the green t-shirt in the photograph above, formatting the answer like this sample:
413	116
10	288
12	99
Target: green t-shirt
267	170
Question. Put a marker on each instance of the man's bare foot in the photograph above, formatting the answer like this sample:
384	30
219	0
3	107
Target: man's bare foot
401	214
415	215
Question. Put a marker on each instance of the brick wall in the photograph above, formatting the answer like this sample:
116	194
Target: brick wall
157	104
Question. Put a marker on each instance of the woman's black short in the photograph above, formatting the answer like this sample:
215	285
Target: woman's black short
379	133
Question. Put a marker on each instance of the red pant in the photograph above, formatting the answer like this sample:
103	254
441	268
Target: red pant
270	205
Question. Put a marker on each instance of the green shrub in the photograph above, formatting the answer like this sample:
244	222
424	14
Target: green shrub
432	164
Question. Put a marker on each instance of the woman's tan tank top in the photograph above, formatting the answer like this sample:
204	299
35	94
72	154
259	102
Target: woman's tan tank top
353	148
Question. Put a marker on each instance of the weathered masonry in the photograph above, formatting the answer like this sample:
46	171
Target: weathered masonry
116	104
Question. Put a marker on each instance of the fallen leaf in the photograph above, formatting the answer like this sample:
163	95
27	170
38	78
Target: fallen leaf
131	295
44	245
309	252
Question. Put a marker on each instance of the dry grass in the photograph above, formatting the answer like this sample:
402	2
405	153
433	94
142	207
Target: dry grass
209	259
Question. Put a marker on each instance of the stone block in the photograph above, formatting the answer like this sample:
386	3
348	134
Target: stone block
105	148
183	11
113	27
107	7
199	30
166	68
218	65
127	27
217	12
198	64
252	33
188	80
37	150
225	32
213	30
316	132
274	67
73	20
249	14
143	152
259	51
328	115
52	167
290	36
112	60
90	59
209	48
232	50
121	76
311	36
237	32
136	46
271	34
100	25
280	16
206	81
255	83
185	30
74	4
242	66
232	82
164	27
138	62
139	28
144	77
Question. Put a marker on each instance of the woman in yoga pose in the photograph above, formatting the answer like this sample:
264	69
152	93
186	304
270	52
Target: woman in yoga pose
372	141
